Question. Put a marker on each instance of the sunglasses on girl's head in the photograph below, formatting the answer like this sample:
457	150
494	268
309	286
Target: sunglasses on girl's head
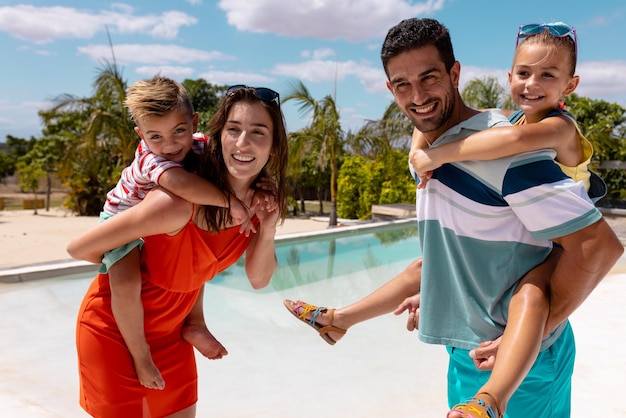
265	94
559	30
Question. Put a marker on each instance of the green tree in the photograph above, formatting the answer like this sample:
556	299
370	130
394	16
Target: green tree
99	139
486	93
30	174
19	146
377	137
324	134
377	172
206	98
355	188
108	119
601	122
365	182
7	165
604	125
13	149
46	154
304	171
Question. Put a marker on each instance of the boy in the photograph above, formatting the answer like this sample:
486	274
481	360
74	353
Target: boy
166	122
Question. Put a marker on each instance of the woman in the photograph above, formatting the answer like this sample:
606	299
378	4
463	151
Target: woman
185	245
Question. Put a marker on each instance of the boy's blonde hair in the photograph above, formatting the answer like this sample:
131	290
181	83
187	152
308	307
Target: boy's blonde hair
156	97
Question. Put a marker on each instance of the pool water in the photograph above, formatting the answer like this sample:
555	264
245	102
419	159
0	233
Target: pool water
303	261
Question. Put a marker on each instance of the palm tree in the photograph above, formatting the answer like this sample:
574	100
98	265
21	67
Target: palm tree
99	137
486	93
377	137
324	134
108	117
206	98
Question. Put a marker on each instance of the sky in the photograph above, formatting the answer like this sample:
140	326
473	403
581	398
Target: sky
50	48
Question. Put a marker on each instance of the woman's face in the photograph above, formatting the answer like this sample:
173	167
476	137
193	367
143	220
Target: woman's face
247	140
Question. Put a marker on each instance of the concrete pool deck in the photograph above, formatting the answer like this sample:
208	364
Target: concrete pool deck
27	239
276	367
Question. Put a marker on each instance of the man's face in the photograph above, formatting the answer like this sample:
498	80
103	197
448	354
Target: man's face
423	89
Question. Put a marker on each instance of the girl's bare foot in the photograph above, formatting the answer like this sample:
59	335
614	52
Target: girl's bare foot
201	338
148	374
325	320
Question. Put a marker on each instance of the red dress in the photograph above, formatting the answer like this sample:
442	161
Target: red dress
173	271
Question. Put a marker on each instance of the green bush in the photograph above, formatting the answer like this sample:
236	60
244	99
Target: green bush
363	183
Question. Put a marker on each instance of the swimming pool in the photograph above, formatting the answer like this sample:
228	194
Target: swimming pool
333	254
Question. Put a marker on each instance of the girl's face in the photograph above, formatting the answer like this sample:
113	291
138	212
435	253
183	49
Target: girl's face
247	141
540	77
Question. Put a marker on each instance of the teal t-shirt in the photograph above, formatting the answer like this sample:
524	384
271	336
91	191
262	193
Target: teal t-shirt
482	226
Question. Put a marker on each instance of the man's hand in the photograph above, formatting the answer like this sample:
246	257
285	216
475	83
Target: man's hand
412	304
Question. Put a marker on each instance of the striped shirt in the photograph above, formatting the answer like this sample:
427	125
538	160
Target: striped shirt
482	226
142	175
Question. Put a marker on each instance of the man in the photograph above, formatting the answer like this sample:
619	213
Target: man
484	224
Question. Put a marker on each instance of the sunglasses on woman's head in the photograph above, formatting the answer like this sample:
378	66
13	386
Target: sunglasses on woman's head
265	94
560	30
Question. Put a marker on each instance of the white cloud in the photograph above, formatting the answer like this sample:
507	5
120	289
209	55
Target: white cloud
351	119
164	26
373	80
167	71
322	53
316	71
324	19
22	119
154	54
226	77
602	79
46	24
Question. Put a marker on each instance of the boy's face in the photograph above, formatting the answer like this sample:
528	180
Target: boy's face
169	136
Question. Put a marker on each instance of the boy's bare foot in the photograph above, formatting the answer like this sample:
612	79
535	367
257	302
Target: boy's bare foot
325	320
201	338
148	374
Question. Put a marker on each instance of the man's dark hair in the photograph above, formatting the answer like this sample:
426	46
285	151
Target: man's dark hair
415	33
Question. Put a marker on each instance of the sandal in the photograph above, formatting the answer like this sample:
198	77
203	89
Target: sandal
478	408
294	308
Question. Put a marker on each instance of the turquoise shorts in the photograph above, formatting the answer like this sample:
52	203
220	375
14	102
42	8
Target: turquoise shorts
546	391
116	254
